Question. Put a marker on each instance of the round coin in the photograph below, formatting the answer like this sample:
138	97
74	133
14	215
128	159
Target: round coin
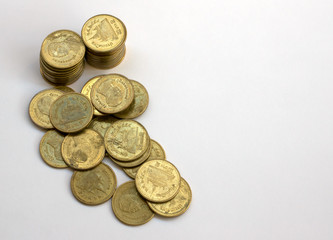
103	33
129	207
101	124
176	206
157	152
139	104
83	150
39	107
158	180
50	149
112	93
62	49
87	89
71	112
94	186
126	140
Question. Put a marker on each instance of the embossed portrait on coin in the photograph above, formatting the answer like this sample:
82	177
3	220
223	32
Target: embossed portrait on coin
92	183
62	45
131	202
112	93
80	150
43	105
53	148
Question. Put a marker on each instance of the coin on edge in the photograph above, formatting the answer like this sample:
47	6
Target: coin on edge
71	112
158	180
139	104
87	89
39	107
129	207
157	152
50	149
112	93
176	206
126	140
94	186
83	150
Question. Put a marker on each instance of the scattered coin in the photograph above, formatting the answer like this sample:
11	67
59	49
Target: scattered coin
39	107
83	150
50	149
158	181
71	112
176	206
64	89
126	140
101	124
138	105
112	93
129	207
94	186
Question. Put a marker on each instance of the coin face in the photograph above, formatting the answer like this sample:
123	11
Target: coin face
50	149
62	49
157	152
129	207
176	206
158	180
83	150
86	92
71	112
103	33
112	93
126	140
64	89
139	104
101	124
94	186
39	108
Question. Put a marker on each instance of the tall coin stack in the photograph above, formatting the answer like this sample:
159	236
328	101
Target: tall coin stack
62	57
104	36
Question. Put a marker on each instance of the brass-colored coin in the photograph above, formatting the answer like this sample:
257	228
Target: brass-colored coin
101	124
83	150
39	107
158	180
106	62
103	33
135	162
64	89
139	104
157	152
112	93
50	149
126	140
94	186
176	206
62	49
71	112
87	89
129	207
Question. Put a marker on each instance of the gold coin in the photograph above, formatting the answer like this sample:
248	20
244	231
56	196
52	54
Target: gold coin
112	93
71	112
39	107
103	33
101	124
94	186
129	207
157	152
158	181
106	62
50	149
176	206
64	89
126	140
87	89
135	162
139	104
62	49
83	150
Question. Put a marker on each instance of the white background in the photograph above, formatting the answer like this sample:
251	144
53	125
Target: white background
240	99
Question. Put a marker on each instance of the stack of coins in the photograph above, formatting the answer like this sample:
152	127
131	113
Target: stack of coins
62	57
104	36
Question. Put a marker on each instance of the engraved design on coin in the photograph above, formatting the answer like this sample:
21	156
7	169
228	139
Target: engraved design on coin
176	206
129	207
158	180
94	186
101	124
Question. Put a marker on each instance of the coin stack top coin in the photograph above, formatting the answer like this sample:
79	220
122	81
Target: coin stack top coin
62	57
